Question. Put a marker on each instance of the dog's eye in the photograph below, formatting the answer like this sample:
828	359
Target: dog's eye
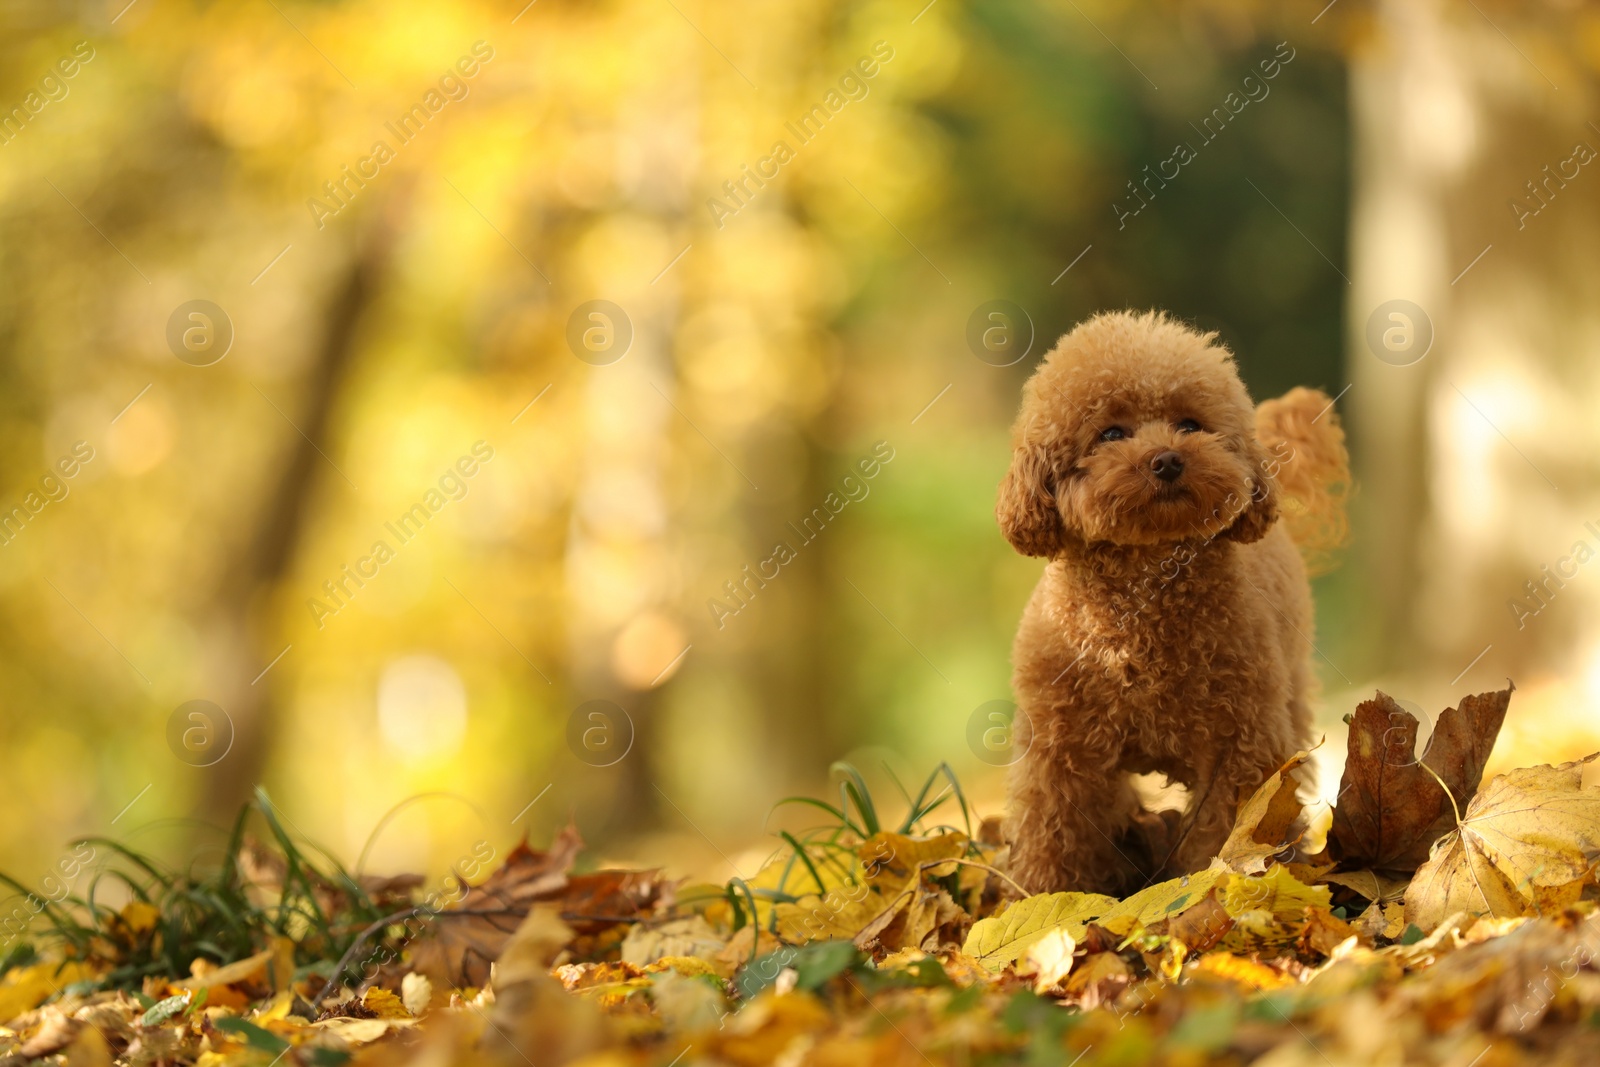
1188	426
1113	433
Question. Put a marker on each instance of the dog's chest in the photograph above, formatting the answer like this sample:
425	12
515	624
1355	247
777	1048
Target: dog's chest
1142	633
1150	652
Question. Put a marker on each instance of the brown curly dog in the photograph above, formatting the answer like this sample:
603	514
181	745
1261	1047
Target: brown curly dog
1172	629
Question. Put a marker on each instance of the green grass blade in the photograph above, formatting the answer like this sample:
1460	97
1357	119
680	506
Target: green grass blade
800	851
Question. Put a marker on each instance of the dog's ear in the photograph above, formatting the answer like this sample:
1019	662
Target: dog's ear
1261	510
1027	508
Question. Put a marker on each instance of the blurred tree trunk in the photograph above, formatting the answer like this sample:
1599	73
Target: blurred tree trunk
244	617
1472	459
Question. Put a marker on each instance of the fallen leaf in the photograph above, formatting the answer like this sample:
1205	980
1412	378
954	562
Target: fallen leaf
1391	809
1263	826
533	946
685	1003
1251	974
25	988
1048	959
460	948
205	977
1201	925
692	936
1525	840
1460	879
576	976
767	1029
844	914
1378	888
1323	932
88	1049
361	1031
1269	910
55	1033
785	874
531	1010
1386	920
892	868
383	1004
1508	983
1098	979
1161	901
139	916
416	993
925	919
997	941
165	1009
893	859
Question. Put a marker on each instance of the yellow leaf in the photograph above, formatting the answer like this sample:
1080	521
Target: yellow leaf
891	871
88	1049
1382	920
1162	901
25	988
785	873
894	859
384	1004
361	1031
1457	878
275	1009
688	966
1527	840
1048	959
997	941
1270	909
1262	828
845	913
1247	973
139	916
237	971
1277	891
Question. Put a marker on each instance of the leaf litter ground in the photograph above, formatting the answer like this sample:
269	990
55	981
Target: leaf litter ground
1438	919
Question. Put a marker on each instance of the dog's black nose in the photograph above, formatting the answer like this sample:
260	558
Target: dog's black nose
1167	466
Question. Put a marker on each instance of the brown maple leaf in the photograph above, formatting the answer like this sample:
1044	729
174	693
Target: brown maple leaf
1391	809
470	936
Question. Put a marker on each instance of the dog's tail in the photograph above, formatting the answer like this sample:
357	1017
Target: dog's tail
1303	438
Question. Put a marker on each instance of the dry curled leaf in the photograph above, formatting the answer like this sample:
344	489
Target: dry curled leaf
1265	823
461	948
1391	809
892	870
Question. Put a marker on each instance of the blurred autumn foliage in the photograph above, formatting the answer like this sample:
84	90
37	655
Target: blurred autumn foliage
400	210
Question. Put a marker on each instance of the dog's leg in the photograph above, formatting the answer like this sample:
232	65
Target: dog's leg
1233	781
1068	817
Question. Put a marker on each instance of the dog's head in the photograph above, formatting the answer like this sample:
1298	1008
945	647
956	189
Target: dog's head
1135	430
